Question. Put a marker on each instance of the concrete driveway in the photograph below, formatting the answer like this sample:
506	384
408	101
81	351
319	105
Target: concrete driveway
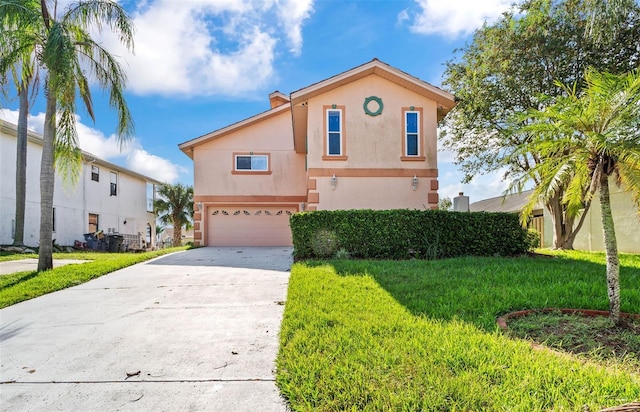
191	331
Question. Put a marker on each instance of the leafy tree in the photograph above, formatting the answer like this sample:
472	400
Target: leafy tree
586	137
67	51
445	203
18	42
174	206
510	63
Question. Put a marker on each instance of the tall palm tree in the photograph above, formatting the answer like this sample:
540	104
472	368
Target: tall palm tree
18	42
585	138
68	53
174	206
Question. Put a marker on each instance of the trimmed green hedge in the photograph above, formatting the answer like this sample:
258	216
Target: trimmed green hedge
403	233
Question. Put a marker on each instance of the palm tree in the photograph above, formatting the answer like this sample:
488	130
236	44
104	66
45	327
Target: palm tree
18	43
68	52
174	206
585	138
159	230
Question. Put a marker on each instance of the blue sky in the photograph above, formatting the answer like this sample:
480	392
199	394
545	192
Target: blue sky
200	65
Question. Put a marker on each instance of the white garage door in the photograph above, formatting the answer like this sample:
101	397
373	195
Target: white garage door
249	226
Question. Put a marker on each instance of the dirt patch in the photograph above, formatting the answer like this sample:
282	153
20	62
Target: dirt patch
579	332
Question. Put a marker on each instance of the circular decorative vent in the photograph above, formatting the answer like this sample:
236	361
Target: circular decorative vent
373	105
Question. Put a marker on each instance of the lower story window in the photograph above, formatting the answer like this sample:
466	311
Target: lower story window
93	222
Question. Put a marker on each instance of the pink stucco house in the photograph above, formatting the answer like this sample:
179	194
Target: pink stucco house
365	138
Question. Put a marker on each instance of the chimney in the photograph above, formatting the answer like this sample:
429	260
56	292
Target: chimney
277	99
461	203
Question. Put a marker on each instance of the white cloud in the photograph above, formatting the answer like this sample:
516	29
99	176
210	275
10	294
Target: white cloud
292	15
481	187
453	18
130	155
154	166
209	47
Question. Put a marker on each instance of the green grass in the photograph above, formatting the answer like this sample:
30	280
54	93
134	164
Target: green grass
21	286
421	335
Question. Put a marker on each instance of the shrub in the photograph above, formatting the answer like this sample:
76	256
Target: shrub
533	238
324	244
402	233
342	254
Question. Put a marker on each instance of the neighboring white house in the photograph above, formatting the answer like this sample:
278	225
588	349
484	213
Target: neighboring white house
106	198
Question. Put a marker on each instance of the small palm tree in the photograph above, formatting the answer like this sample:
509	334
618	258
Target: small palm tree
159	230
174	206
585	138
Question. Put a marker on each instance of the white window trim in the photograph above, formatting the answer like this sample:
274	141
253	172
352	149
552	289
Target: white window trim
406	134
235	163
341	132
97	173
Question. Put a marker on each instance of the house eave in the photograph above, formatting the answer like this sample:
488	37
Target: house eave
445	100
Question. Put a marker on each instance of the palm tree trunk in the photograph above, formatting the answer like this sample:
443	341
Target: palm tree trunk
21	164
177	231
47	182
611	249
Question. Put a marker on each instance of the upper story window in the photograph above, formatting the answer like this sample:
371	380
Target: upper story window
151	189
251	163
114	184
334	125
412	134
334	132
95	173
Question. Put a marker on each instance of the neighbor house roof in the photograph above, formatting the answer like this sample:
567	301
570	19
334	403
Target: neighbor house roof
12	130
509	203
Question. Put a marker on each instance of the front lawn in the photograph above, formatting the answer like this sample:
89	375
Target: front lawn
421	335
21	286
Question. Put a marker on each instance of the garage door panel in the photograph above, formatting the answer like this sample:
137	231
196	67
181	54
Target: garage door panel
249	226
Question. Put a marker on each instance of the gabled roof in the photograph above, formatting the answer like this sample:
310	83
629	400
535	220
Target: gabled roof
187	147
445	101
296	102
33	137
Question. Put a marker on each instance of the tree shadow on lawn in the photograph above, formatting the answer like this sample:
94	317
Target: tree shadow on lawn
14	279
480	289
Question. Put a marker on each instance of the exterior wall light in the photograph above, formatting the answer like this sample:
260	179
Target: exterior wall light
334	182
414	182
199	206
